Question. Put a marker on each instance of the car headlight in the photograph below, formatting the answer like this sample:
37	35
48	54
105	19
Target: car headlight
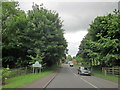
82	72
89	72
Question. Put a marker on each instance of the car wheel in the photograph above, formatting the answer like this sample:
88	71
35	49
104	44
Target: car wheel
80	73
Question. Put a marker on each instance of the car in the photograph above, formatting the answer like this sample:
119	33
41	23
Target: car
84	71
66	62
71	64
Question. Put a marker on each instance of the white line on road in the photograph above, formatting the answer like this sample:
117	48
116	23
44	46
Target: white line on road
72	72
49	81
84	80
75	74
89	83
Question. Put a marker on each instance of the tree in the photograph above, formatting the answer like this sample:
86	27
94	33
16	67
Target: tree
69	58
102	43
13	23
27	37
48	34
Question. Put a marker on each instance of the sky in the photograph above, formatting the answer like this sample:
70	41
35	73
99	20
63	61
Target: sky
76	14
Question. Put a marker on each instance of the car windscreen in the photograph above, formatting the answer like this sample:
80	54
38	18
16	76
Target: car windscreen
85	68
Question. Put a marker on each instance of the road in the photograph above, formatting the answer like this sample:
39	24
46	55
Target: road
68	78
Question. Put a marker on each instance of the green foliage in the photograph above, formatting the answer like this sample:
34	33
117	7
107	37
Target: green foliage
101	45
37	58
69	58
5	74
97	72
13	24
37	34
19	81
79	60
10	73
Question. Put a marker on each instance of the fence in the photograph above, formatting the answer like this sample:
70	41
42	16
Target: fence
111	70
20	71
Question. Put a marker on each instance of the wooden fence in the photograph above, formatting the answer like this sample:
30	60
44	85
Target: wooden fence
111	70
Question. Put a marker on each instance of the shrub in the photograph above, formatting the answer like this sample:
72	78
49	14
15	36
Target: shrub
5	74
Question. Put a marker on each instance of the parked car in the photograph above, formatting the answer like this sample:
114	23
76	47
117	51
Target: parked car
84	71
71	64
66	62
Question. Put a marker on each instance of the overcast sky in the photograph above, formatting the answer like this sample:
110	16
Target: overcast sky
77	16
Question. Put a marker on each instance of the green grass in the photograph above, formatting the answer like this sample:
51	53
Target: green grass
102	75
77	65
20	81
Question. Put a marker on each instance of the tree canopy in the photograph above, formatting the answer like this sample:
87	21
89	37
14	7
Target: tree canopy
101	46
31	36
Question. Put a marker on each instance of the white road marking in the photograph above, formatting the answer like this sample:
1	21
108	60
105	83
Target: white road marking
89	83
49	81
72	72
84	80
75	75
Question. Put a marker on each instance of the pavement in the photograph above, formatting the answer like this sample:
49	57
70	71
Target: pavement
68	78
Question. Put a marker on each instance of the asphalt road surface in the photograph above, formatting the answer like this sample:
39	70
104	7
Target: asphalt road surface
68	78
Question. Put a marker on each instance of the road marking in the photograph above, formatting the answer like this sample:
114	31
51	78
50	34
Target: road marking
89	83
75	75
84	80
72	72
49	81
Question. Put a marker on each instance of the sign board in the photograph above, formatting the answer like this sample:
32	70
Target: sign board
37	64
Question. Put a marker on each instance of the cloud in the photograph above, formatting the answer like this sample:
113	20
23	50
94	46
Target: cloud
74	40
77	15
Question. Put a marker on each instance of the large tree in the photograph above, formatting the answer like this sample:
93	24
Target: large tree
47	34
13	23
101	45
31	36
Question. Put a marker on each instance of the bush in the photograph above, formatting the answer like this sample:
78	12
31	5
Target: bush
16	72
5	74
20	71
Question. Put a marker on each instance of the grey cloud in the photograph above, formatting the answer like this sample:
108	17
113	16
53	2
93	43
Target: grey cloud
73	48
78	15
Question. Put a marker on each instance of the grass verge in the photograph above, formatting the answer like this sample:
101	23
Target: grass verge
19	81
99	73
77	65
